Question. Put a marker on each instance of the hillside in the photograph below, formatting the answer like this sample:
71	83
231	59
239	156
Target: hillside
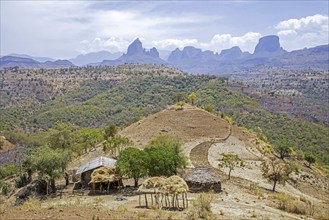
96	97
204	137
189	124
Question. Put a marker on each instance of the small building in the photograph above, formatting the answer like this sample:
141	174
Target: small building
86	169
202	179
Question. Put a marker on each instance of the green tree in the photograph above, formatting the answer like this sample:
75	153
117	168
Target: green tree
110	131
283	148
116	144
49	164
276	171
132	164
230	160
180	105
192	98
170	147
89	137
310	158
62	136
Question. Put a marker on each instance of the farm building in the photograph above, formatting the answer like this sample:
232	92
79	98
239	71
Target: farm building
202	179
87	169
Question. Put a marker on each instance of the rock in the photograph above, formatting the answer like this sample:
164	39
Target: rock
269	44
154	52
135	48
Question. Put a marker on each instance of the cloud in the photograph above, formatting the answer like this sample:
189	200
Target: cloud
305	23
246	42
113	44
307	31
174	43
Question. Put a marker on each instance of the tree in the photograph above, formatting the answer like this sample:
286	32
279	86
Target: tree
89	137
230	160
166	156
276	171
180	105
310	158
132	163
116	144
110	131
62	136
49	164
2	143
284	148
192	97
178	97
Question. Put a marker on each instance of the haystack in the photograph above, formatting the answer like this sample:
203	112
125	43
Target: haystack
158	186
152	185
175	185
104	176
203	179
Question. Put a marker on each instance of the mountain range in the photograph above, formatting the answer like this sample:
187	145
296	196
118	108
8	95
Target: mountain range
268	52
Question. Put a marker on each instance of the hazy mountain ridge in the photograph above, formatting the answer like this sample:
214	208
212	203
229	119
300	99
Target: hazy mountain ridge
190	59
12	61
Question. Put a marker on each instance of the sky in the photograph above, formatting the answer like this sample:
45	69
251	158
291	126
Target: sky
64	29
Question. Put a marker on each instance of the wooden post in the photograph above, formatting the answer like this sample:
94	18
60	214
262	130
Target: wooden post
183	201
146	200
139	200
186	200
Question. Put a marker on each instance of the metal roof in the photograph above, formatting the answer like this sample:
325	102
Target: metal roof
98	162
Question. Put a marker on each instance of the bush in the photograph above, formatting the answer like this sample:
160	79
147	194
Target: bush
8	170
209	107
5	188
290	204
21	181
202	207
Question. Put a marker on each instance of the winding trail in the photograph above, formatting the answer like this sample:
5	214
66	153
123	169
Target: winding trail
199	154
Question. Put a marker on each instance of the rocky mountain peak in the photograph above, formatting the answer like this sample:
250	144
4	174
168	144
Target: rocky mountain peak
135	47
269	44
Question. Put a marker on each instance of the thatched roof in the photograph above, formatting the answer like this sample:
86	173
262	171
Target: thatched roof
202	175
104	174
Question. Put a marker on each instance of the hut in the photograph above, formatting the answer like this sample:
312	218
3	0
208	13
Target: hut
86	169
202	179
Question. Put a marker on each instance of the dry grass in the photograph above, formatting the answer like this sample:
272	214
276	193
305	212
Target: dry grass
202	207
295	205
31	204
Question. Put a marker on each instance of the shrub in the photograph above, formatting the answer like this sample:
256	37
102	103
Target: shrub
8	170
209	107
202	207
5	188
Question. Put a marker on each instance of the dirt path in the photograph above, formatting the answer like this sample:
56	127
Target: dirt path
199	154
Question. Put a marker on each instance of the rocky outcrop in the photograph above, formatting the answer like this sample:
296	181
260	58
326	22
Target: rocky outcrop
269	44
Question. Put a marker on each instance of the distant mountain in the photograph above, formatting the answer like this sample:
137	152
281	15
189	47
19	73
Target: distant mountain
136	54
94	57
269	44
268	52
164	54
39	59
57	64
235	53
315	58
12	61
